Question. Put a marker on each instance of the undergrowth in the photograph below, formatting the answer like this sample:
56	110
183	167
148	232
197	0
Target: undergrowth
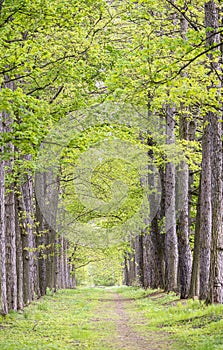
63	321
190	323
73	319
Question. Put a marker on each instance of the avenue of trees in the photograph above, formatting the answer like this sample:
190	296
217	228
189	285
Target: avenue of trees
165	57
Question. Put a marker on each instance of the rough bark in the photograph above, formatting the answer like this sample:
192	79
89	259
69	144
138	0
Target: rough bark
154	247
171	242
126	278
149	268
42	229
195	275
19	254
139	260
205	210
215	291
27	214
3	290
157	239
130	263
185	257
211	21
11	273
10	233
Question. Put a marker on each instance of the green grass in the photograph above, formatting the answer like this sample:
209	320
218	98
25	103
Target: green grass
190	324
73	319
61	321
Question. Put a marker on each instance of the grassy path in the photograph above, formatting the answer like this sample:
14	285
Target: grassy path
113	319
94	319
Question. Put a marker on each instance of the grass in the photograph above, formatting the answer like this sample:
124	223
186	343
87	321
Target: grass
73	319
190	324
60	321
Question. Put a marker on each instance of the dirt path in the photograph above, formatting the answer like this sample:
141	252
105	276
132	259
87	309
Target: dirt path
127	320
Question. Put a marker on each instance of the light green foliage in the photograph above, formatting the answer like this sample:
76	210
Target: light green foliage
57	57
103	175
49	62
101	266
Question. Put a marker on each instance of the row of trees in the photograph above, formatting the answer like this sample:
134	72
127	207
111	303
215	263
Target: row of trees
34	47
164	258
61	56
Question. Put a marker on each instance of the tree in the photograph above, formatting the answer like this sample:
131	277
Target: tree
215	288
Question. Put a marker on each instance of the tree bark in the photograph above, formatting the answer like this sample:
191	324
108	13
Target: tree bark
185	257
215	291
211	21
205	209
195	275
10	233
19	253
3	290
11	273
139	260
171	242
27	214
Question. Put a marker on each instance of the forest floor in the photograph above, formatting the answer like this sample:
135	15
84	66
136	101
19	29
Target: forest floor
118	318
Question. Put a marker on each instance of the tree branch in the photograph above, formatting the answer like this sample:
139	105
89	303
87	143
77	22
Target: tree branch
183	14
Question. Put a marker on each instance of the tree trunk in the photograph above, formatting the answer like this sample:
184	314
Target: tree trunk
3	290
42	230
195	275
19	254
126	280
215	292
149	268
130	263
205	214
11	273
185	257
139	260
157	240
211	21
171	243
26	205
10	233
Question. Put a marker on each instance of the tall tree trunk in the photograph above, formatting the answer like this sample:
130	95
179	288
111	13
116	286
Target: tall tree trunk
62	272
185	257
42	230
11	272
26	205
215	291
3	290
211	21
157	240
130	262
171	242
139	260
195	275
205	209
149	268
10	233
154	258
126	278
19	253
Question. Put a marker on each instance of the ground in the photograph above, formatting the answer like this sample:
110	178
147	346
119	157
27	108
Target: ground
113	319
121	311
